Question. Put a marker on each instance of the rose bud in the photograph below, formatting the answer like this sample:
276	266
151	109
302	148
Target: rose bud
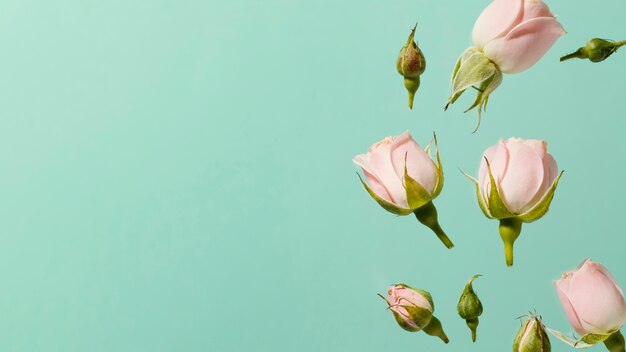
413	310
411	64
594	304
532	337
595	50
403	179
470	307
509	36
516	183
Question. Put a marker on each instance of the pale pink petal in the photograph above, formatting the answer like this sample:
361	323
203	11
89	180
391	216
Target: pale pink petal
378	163
377	186
524	45
534	9
523	178
550	173
496	20
562	287
598	302
419	164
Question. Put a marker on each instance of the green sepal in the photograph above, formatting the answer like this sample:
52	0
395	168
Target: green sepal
568	340
593	339
482	97
542	207
497	208
459	85
481	200
392	208
439	185
416	195
418	315
474	69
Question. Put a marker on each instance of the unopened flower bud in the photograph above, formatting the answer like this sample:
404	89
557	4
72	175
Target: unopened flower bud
532	336
470	307
413	310
411	64
595	50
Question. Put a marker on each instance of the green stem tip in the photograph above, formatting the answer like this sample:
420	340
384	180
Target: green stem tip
434	328
473	325
427	215
615	342
510	229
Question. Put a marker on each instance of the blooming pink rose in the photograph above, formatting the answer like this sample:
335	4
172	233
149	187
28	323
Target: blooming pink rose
524	172
384	163
515	34
592	300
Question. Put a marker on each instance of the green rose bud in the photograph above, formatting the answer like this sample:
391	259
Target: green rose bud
470	307
595	50
413	310
411	64
532	336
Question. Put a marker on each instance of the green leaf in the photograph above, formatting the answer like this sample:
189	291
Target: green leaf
542	207
497	208
481	200
416	195
392	208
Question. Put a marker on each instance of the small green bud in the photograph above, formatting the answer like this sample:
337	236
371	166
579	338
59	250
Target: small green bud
411	64
532	336
470	307
595	50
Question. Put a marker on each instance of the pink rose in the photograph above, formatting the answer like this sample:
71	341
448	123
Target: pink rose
592	300
525	177
383	166
524	172
515	34
413	310
403	179
509	37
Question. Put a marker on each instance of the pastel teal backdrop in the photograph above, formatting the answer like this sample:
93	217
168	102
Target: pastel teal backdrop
177	175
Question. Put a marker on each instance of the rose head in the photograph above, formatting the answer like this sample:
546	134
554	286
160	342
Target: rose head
524	174
403	179
515	34
387	165
413	310
509	36
516	183
592	300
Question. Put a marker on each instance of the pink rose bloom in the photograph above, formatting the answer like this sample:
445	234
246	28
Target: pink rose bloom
383	166
592	300
515	34
524	172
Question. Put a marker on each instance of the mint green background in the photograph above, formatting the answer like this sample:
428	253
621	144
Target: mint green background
177	176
